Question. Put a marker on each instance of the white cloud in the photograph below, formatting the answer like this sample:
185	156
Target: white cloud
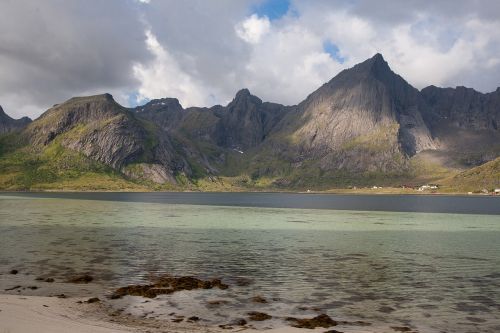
163	77
424	47
202	52
299	64
252	29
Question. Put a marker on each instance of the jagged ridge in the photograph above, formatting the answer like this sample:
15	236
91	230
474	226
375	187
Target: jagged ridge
367	120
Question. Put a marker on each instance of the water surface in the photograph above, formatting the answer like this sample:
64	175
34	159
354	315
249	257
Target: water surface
393	203
433	271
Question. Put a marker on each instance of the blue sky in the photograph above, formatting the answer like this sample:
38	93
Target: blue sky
333	50
273	9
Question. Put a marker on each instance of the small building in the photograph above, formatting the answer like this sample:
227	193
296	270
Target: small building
428	187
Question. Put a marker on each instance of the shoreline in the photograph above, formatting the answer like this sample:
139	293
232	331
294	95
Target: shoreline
346	191
44	314
55	305
376	202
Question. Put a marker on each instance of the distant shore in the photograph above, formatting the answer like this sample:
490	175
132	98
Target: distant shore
379	201
361	191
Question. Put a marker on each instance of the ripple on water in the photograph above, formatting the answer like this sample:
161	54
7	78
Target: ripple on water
380	266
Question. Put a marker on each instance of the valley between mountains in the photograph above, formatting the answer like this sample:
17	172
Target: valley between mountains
366	127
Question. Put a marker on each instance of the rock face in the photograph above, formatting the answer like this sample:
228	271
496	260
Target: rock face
103	130
465	121
361	101
366	121
242	124
7	124
463	107
166	112
246	121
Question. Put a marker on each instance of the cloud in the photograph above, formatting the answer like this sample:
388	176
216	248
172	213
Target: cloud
444	43
163	76
299	64
57	49
253	28
204	51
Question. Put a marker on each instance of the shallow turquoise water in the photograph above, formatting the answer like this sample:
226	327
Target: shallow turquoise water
436	272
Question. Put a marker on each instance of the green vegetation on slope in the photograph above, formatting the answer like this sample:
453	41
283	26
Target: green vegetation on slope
486	176
54	168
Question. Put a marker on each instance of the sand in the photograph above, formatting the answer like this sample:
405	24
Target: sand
39	314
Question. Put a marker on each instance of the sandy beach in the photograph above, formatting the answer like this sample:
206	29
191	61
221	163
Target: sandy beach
39	314
33	305
30	314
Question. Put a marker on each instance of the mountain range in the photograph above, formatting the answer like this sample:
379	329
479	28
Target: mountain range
367	126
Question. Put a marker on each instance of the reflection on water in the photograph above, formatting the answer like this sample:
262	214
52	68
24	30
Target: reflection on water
438	272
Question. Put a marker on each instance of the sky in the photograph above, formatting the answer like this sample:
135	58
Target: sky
203	51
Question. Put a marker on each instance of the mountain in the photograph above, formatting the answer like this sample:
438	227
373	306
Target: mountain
104	131
362	101
243	123
7	124
367	119
366	126
246	121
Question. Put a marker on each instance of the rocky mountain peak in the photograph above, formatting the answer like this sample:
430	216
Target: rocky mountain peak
162	104
246	121
3	114
73	112
243	97
367	103
377	62
378	68
367	73
108	97
243	92
8	124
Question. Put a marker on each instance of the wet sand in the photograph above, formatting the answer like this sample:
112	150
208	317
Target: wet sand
37	314
35	305
40	314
